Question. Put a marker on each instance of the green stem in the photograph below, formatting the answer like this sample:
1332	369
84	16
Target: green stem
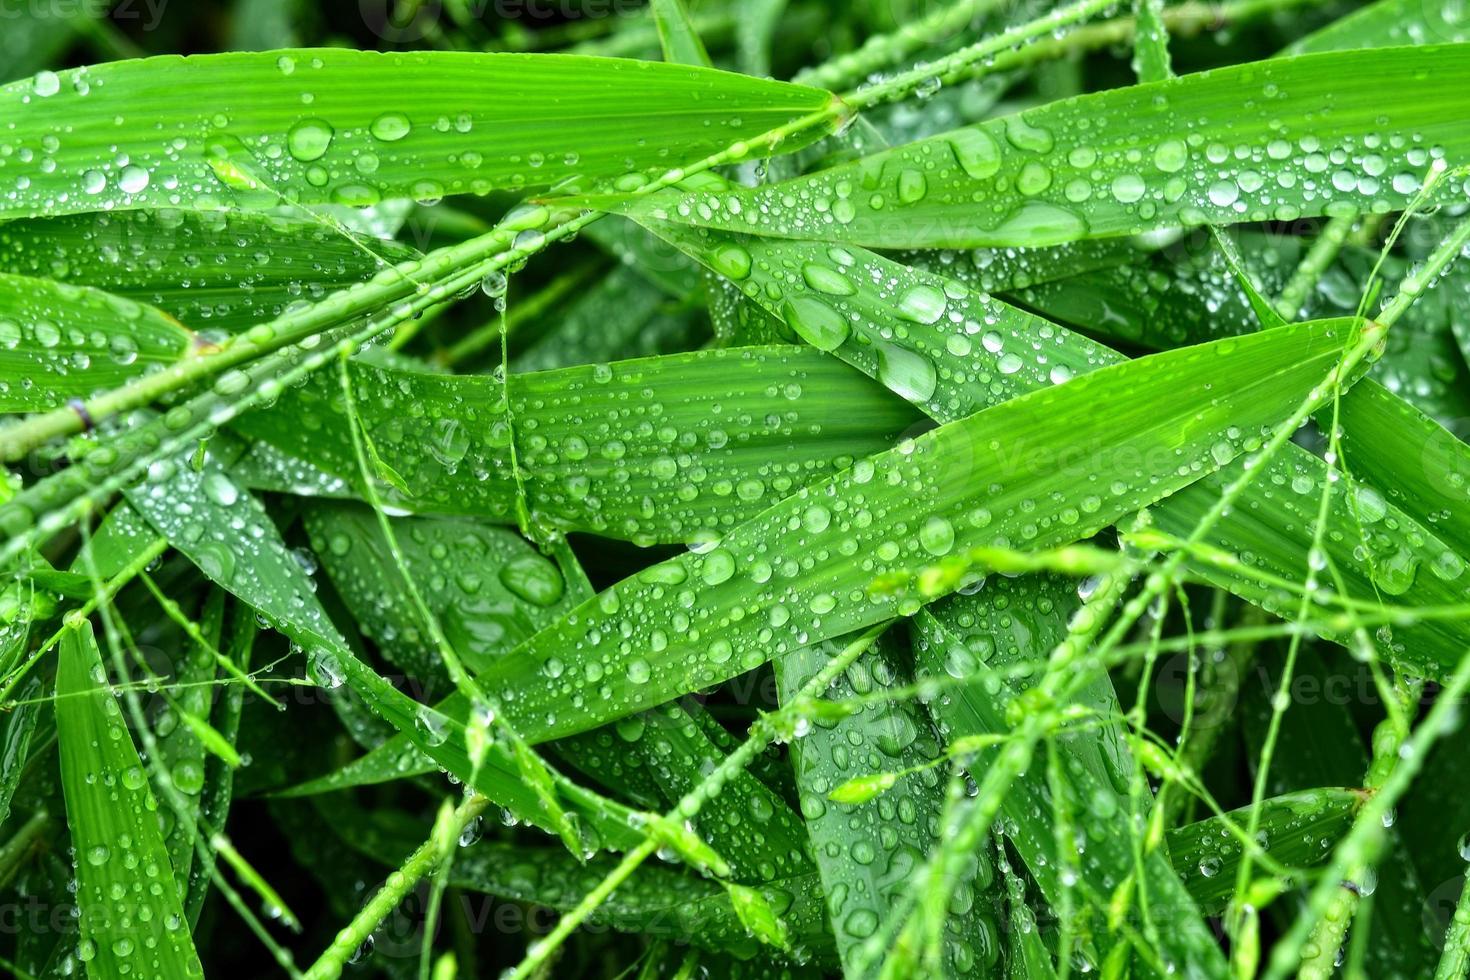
19	846
1150	42
425	859
1365	839
1454	962
1065	671
1323	253
886	50
1425	274
765	730
948	866
1187	19
962	61
1319	955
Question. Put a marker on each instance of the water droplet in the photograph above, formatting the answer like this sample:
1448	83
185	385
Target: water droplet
308	139
46	83
816	322
390	127
132	180
922	304
907	374
825	280
977	152
937	536
731	261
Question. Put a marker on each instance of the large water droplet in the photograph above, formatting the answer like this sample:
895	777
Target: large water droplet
308	139
816	322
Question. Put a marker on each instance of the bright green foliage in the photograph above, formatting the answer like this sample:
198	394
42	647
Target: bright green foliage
379	126
1235	144
59	342
132	919
739	488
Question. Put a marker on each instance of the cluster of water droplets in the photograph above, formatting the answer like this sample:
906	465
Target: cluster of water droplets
1068	171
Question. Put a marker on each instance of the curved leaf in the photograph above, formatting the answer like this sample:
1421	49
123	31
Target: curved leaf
330	125
781	580
60	342
132	919
1244	143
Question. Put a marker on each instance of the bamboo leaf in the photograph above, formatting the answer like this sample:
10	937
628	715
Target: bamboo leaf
1387	23
61	342
677	35
269	578
916	332
356	127
1299	830
974	639
188	263
1133	160
655	898
867	860
132	920
953	488
733	431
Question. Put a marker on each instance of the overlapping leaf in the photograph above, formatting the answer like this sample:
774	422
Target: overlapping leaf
355	127
132	919
212	271
785	579
1244	143
59	342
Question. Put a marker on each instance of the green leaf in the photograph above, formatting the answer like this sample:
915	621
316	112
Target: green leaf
676	34
486	586
20	729
219	779
916	332
687	623
182	742
1326	746
61	342
866	857
752	828
1133	160
1380	432
974	640
732	432
1299	830
268	577
1158	304
1388	23
354	127
189	264
680	905
132	920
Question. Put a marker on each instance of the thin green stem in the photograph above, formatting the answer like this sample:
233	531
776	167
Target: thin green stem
535	305
1454	961
964	60
1366	838
766	729
1319	955
1319	257
421	862
885	50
